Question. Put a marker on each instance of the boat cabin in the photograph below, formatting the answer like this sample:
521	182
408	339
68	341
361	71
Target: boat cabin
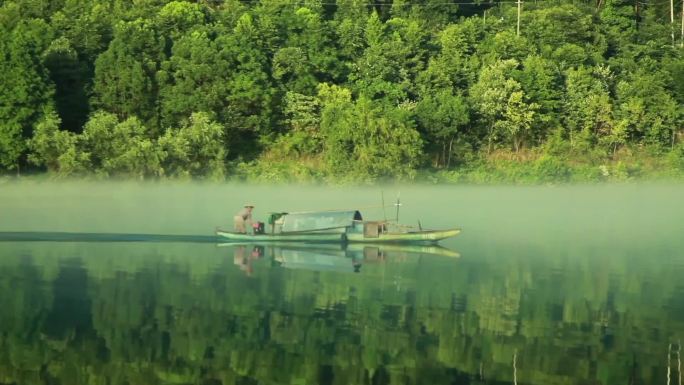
320	221
326	221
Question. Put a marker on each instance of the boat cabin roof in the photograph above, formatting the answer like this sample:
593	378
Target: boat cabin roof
321	220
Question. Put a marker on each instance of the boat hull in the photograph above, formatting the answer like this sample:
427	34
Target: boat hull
310	237
424	236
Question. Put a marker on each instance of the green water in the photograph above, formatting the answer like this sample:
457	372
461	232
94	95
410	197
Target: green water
554	285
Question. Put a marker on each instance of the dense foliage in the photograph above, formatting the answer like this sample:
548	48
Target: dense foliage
346	89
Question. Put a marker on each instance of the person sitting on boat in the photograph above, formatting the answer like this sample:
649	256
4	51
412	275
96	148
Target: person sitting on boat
243	216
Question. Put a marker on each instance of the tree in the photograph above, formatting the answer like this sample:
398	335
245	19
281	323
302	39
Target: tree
367	142
588	107
616	137
178	17
303	122
505	45
88	26
392	60
443	116
195	78
517	119
542	84
618	22
125	81
196	149
112	147
376	75
248	115
70	76
436	13
350	22
647	110
456	64
555	30
308	55
25	88
500	102
52	147
107	147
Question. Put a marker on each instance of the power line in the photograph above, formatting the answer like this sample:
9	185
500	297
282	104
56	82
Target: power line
390	4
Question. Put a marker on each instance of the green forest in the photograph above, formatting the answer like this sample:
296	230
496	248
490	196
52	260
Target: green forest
344	90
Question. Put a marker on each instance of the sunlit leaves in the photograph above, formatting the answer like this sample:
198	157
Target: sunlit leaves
587	101
367	142
110	147
499	100
195	149
50	146
116	147
647	110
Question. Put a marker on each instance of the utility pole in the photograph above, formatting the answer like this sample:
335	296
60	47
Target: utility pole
519	9
672	22
636	10
681	43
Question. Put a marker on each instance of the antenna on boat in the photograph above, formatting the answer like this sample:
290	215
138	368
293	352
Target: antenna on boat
398	204
384	212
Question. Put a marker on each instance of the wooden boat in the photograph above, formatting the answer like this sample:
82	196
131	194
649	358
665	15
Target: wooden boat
337	226
281	237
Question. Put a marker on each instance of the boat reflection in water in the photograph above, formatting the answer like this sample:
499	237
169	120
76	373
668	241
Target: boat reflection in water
328	257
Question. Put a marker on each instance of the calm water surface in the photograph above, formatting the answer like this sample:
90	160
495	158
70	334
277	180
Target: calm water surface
546	285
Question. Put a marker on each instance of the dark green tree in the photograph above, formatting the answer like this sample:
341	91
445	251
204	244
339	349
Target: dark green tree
125	75
195	78
392	60
445	118
25	88
249	114
70	76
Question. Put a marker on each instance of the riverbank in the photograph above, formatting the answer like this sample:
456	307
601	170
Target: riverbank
530	167
527	167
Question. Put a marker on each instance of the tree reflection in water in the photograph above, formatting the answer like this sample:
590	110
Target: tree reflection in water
184	314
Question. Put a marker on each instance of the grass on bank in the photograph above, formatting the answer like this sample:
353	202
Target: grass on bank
534	166
542	165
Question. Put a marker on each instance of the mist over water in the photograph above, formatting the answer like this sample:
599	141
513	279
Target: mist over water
596	213
575	284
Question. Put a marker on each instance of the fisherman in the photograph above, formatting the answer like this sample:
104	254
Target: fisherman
244	215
